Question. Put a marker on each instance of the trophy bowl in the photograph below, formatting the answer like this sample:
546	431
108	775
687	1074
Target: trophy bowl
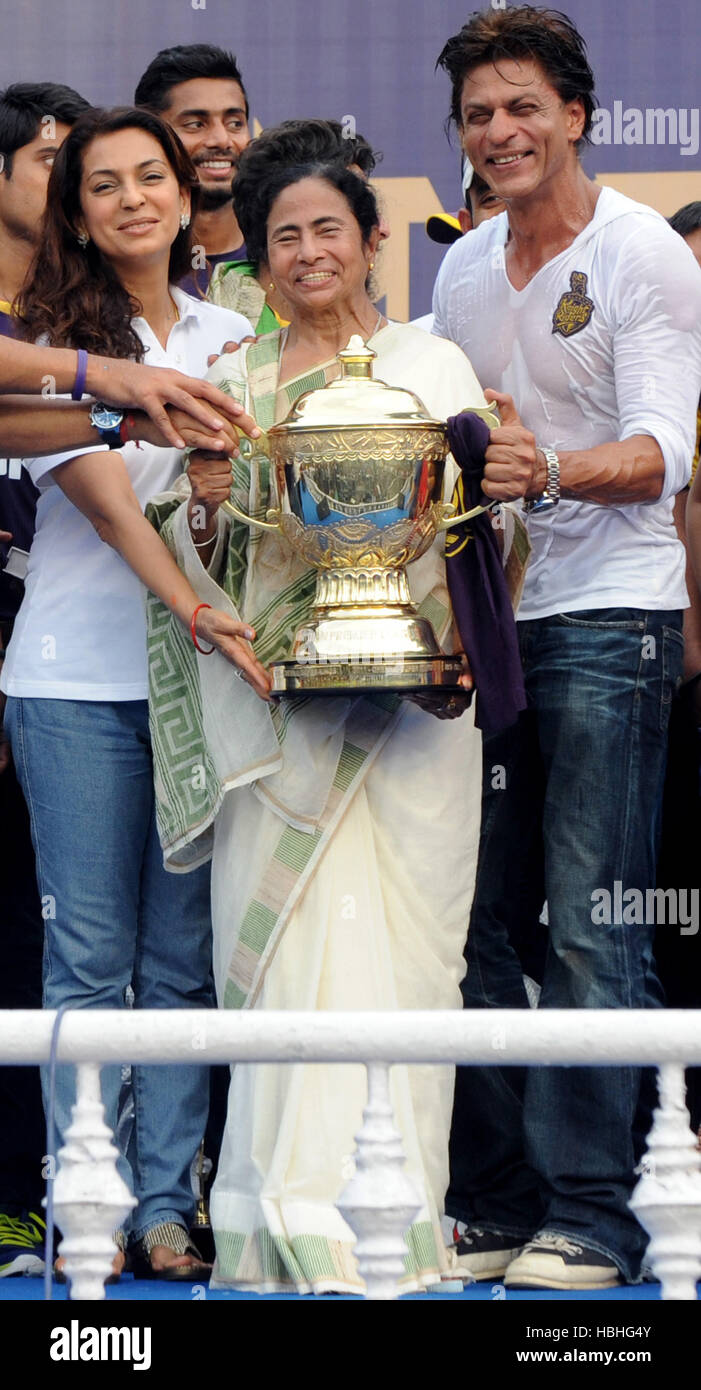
358	469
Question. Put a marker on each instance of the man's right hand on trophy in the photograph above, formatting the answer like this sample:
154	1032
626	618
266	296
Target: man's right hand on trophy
513	467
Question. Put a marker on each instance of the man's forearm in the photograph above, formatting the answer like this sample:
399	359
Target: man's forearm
31	428
611	475
614	475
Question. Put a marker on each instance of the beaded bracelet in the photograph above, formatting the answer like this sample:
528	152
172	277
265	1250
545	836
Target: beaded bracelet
203	650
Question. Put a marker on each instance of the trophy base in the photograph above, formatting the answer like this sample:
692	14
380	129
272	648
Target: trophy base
403	674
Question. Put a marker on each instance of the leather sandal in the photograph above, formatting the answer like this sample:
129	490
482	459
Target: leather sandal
177	1239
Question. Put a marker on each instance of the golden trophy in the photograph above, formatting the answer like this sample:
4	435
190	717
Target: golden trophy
358	470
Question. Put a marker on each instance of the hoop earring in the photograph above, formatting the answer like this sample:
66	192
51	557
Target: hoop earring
82	239
184	221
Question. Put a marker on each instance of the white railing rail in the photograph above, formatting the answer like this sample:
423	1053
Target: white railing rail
379	1202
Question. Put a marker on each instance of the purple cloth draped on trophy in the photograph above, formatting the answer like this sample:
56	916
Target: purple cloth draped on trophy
478	588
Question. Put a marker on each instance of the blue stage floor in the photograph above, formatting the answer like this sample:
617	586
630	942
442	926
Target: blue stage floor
154	1290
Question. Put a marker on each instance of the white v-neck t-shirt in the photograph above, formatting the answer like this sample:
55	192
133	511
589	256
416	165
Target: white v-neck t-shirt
81	629
603	343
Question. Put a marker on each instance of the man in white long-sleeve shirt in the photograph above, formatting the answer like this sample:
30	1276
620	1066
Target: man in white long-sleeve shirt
581	310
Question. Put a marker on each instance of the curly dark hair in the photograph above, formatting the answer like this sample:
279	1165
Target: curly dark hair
293	151
73	296
548	37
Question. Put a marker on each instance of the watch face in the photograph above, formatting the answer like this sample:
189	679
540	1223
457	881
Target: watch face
105	419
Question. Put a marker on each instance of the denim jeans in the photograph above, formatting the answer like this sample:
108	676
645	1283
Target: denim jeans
570	805
113	918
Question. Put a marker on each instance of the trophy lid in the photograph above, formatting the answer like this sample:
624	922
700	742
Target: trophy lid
356	400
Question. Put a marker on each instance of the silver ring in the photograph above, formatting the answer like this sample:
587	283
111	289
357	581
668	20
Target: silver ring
241	675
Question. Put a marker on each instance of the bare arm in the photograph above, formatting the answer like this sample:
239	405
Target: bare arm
613	475
98	485
25	367
32	428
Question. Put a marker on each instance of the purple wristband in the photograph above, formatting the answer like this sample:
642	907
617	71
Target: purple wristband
80	375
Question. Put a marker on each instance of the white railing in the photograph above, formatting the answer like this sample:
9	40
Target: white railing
379	1202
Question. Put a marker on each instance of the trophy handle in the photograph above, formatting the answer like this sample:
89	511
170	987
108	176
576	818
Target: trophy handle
268	525
490	415
249	447
452	518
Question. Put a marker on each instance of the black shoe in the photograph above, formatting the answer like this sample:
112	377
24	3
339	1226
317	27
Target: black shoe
552	1261
483	1254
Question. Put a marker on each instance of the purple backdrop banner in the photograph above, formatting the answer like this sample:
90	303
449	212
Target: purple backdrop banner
374	60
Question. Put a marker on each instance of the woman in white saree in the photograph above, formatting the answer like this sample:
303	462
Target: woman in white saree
344	832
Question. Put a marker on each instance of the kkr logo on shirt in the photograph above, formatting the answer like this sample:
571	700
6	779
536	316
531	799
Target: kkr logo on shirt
574	309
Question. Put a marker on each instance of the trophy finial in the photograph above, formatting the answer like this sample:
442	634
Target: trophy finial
356	358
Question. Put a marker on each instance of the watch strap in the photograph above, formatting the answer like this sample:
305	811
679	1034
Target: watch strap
550	496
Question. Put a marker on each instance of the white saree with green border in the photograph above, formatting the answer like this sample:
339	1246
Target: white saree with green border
343	836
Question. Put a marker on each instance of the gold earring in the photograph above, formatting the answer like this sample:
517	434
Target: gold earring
271	286
371	265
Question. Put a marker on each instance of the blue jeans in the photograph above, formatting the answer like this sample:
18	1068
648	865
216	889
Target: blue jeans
113	918
570	805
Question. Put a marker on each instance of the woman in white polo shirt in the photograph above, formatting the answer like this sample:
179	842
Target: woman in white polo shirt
115	241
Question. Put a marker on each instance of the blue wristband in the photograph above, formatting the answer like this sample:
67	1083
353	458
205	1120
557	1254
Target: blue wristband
80	375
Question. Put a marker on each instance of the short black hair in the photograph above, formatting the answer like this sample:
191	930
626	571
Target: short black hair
24	106
687	219
307	148
545	36
255	192
181	64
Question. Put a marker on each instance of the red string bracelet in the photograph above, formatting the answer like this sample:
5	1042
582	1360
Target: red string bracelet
204	650
128	423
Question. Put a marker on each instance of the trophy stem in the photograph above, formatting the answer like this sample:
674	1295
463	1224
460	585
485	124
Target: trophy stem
362	586
365	633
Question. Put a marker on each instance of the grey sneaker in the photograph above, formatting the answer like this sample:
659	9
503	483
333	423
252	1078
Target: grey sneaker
552	1261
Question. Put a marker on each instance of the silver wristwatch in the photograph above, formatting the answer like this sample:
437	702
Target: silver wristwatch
551	495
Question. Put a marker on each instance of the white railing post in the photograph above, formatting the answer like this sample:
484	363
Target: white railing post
90	1198
667	1199
380	1201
